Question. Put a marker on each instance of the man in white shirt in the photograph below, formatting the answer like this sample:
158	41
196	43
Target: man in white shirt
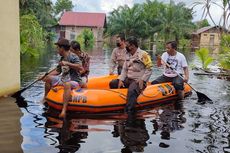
178	64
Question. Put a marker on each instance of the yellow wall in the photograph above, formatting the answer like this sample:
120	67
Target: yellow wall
205	39
10	47
97	32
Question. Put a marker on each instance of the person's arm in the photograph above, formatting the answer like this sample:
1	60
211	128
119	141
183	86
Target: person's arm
86	65
123	72
55	72
186	74
159	63
146	59
184	64
113	62
76	66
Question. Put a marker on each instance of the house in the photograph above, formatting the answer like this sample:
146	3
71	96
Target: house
72	24
207	37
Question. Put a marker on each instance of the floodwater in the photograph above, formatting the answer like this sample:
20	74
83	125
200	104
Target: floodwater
177	127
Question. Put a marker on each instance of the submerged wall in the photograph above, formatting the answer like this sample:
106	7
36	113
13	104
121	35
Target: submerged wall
10	47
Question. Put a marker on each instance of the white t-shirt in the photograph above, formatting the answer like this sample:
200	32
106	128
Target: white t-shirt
177	62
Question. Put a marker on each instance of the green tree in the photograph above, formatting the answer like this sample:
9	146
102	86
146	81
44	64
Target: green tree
175	21
42	9
151	11
206	6
225	52
63	5
128	21
203	55
202	23
86	39
32	35
225	6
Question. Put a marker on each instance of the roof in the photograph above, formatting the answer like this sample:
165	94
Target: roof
84	19
201	30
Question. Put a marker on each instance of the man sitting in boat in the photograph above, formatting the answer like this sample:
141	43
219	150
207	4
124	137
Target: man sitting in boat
135	73
85	59
178	64
67	73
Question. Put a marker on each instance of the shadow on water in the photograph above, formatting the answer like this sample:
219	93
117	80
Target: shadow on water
176	127
131	129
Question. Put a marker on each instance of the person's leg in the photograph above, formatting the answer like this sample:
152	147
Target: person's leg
50	81
133	92
113	84
178	84
66	98
119	68
84	82
160	79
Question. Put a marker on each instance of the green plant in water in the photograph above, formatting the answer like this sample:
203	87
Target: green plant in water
32	36
224	58
86	39
203	55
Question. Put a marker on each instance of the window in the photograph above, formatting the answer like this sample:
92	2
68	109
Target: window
72	36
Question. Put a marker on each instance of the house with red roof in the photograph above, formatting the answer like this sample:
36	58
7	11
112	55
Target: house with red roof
72	24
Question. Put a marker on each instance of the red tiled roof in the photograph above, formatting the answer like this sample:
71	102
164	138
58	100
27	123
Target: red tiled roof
83	19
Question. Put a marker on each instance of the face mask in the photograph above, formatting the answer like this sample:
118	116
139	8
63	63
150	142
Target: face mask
118	45
127	48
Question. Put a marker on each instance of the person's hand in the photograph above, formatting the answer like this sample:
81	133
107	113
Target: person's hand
63	63
120	84
158	60
186	78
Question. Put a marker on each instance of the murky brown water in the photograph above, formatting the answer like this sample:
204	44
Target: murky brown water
182	127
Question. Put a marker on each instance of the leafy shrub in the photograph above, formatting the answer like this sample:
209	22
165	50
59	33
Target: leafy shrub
224	58
32	36
203	55
86	39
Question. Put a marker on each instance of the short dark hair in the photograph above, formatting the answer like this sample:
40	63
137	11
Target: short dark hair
63	43
133	41
173	44
75	45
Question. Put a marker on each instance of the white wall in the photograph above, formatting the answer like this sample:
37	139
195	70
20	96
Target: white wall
9	46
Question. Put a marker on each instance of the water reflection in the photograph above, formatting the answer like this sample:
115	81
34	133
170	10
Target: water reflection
133	134
70	134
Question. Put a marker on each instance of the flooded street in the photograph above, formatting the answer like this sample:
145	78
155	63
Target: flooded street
177	127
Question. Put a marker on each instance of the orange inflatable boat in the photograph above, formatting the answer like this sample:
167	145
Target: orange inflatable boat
98	98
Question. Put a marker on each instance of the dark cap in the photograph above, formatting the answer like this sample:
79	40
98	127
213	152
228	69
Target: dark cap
62	42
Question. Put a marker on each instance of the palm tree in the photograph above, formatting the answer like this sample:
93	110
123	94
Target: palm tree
225	6
127	20
175	21
206	5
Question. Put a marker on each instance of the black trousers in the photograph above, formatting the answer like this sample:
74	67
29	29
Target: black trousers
133	92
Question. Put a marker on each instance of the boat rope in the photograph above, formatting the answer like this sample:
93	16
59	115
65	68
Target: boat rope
159	91
123	96
150	96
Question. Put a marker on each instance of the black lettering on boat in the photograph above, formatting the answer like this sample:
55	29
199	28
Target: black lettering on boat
170	89
162	90
79	99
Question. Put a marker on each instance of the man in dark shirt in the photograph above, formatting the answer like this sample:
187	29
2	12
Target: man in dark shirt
66	74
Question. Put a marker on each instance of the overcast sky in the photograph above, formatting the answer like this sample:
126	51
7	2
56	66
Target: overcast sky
106	6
